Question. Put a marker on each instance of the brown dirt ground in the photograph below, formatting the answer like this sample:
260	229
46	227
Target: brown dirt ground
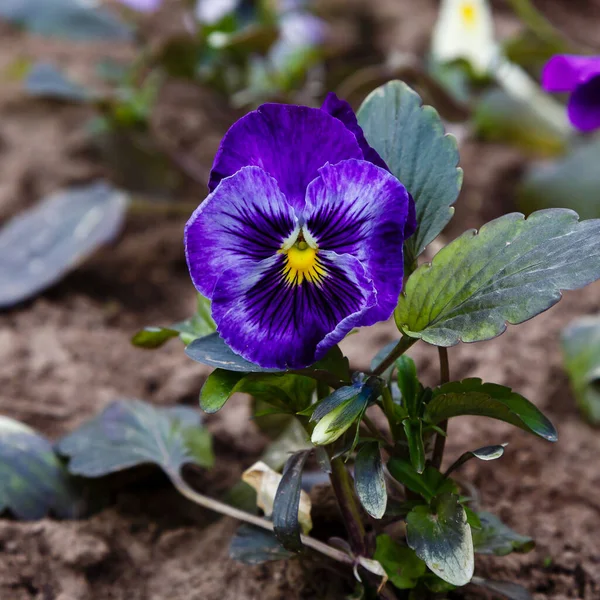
66	354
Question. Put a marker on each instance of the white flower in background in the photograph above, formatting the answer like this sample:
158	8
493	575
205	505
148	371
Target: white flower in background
465	29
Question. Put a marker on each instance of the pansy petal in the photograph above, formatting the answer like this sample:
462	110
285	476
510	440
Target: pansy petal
289	142
357	208
564	72
276	324
340	109
584	105
246	219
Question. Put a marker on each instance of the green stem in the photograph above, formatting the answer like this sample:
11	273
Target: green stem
376	433
344	492
240	515
390	413
440	440
444	365
401	347
538	23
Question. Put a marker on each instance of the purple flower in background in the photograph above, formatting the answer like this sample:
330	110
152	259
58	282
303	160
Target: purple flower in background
579	75
301	237
142	5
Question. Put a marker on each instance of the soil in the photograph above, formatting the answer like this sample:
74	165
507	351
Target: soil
66	354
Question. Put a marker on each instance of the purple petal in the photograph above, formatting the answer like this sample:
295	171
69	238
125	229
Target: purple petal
359	209
341	110
245	220
564	72
276	324
142	5
584	105
289	142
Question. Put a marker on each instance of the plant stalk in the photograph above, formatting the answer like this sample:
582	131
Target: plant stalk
388	409
401	347
540	25
440	440
351	515
240	515
376	433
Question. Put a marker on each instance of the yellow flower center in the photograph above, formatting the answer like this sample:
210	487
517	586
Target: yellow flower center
469	14
303	263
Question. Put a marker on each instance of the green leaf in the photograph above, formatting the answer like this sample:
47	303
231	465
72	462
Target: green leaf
369	480
510	271
409	385
406	474
495	537
570	182
212	350
473	397
42	244
334	362
46	80
254	546
402	565
472	518
441	536
413	428
290	393
153	337
70	19
428	484
287	502
129	433
199	325
436	585
33	481
508	589
411	140
483	453
218	388
581	351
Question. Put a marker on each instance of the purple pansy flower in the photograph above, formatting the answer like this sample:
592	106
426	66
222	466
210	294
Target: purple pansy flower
301	237
579	75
